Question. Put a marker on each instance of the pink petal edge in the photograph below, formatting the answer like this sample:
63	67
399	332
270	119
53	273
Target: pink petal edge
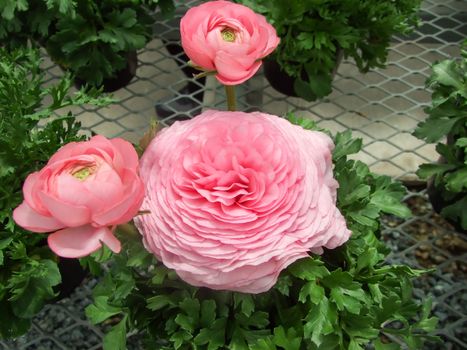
77	242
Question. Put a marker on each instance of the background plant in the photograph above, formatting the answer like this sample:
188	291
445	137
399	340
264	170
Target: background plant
344	299
89	38
30	20
28	270
94	40
313	31
447	118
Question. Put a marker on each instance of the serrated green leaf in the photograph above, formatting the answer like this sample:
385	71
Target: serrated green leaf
246	302
446	73
354	345
434	129
461	142
308	269
187	323
289	341
214	336
425	171
208	312
457	212
379	345
115	339
312	291
179	338
100	310
158	302
317	322
345	145
32	286
456	181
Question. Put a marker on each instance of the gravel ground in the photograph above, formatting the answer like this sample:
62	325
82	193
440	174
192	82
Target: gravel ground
423	241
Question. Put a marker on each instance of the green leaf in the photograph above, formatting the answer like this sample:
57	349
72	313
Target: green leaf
457	212
345	145
353	345
308	269
100	310
116	338
456	181
461	142
36	286
318	322
158	302
11	325
389	204
179	338
246	301
304	90
289	341
312	291
214	336
187	323
283	284
434	129
425	171
445	73
208	312
346	299
385	346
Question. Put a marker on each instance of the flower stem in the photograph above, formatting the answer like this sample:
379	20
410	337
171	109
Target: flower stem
230	93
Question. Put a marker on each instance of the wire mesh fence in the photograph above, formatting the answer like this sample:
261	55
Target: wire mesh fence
382	107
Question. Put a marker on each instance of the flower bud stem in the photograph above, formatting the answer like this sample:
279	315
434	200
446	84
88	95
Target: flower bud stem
230	93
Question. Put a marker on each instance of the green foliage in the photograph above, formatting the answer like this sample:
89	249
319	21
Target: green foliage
93	41
344	299
89	38
23	20
28	270
447	118
313	32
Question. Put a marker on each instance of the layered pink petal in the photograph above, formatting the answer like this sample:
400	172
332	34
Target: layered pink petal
127	206
70	215
228	38
234	198
81	241
126	153
29	219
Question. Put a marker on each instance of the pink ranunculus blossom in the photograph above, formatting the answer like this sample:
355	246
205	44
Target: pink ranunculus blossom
234	198
227	38
85	189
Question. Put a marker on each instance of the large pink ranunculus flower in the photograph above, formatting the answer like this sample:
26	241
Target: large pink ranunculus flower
237	197
227	38
85	189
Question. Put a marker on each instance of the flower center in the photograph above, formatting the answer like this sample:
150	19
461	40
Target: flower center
83	173
228	34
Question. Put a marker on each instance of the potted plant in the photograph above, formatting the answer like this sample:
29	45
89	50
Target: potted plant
98	42
29	272
316	35
447	120
30	21
95	40
244	238
346	298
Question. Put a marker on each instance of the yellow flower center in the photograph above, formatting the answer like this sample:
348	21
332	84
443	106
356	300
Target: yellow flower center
228	34
83	173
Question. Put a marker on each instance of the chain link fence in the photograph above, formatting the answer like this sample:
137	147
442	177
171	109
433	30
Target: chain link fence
382	107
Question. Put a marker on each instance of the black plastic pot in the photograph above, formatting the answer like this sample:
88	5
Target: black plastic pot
72	274
435	194
283	82
122	77
439	203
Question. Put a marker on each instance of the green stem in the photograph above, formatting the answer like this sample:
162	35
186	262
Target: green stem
230	93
